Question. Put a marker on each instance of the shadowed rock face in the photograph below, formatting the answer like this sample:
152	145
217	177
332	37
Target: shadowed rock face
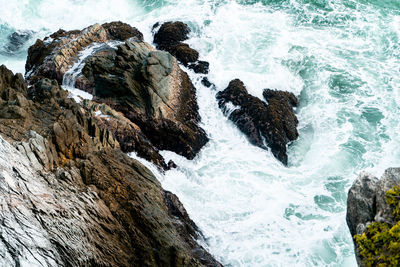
71	197
272	124
170	37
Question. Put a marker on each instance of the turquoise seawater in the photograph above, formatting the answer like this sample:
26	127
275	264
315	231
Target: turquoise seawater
341	58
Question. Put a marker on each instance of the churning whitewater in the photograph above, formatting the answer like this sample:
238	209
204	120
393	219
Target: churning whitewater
340	58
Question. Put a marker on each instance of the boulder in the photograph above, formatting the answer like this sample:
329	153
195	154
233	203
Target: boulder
150	89
266	124
170	36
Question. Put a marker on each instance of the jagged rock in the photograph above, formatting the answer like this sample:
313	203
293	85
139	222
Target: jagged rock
270	125
170	37
70	197
52	57
129	135
150	89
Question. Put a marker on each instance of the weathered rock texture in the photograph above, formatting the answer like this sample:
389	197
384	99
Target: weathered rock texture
150	102
170	36
270	124
70	197
366	202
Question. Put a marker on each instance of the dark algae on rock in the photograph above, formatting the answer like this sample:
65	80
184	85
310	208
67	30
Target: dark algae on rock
270	124
373	217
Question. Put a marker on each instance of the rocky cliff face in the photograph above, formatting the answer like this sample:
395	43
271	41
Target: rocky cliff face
370	215
69	195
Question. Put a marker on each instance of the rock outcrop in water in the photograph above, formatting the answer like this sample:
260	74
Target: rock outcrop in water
170	37
71	197
373	218
150	102
270	124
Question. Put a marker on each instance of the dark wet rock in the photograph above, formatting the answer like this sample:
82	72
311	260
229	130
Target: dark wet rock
122	31
200	67
206	82
184	53
71	197
170	37
52	57
171	34
150	89
16	41
272	124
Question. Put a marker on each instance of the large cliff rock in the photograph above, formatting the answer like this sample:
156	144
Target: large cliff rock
151	102
370	215
71	197
270	124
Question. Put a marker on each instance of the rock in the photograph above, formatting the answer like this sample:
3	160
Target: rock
270	125
16	41
71	197
129	135
171	34
53	57
367	203
184	53
122	31
150	89
169	38
147	86
361	203
206	82
200	67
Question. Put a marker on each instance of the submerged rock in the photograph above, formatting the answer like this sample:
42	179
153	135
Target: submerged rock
266	124
16	42
71	197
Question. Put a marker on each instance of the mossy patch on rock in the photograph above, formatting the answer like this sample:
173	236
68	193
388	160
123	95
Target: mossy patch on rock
379	245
